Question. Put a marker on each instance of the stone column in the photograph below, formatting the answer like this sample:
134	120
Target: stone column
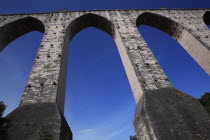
144	64
42	103
162	112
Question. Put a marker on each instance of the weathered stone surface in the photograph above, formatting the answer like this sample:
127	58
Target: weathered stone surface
28	119
46	83
169	114
142	68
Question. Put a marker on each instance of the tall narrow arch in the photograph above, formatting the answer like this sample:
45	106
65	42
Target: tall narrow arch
16	61
81	24
77	25
12	34
15	29
96	74
188	41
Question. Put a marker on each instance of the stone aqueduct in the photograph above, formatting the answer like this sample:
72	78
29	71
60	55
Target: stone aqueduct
162	112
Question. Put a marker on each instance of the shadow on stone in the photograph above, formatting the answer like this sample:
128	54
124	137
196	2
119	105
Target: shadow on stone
168	113
27	120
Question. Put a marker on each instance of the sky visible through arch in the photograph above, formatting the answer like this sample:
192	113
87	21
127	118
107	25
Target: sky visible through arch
99	102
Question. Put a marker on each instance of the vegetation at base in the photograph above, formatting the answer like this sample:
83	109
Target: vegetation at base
133	138
42	134
5	123
205	101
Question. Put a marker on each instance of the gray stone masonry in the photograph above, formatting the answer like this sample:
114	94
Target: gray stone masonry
46	83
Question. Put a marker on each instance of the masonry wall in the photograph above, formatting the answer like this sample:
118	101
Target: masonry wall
139	63
46	83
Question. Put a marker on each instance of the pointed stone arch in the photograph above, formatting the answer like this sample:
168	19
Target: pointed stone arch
17	28
108	26
14	30
89	20
198	50
77	25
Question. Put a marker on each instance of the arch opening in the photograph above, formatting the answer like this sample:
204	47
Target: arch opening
16	61
162	23
19	41
184	73
195	47
90	20
15	29
206	18
77	25
96	79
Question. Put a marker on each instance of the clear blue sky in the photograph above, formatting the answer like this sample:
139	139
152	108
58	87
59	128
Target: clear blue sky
99	102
